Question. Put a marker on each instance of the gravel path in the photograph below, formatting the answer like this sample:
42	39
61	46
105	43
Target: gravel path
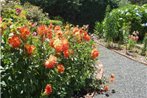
131	76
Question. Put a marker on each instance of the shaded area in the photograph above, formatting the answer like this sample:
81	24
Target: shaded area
131	76
75	11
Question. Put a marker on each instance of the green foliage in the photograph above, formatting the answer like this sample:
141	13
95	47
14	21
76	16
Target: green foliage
131	44
98	29
126	29
54	7
131	14
34	13
144	49
76	11
27	11
123	3
54	22
140	2
13	14
108	9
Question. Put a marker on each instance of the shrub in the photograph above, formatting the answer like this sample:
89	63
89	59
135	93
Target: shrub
45	59
140	2
144	49
131	14
34	13
98	29
76	11
58	18
13	15
48	21
29	62
132	40
39	60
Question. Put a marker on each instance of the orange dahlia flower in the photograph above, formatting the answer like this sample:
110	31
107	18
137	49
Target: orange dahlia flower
59	33
58	45
66	53
14	41
29	48
50	63
24	32
86	37
94	53
50	34
51	42
65	44
76	29
42	29
48	89
60	68
51	26
57	28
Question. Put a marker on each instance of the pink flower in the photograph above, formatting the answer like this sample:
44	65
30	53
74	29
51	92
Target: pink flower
18	11
1	20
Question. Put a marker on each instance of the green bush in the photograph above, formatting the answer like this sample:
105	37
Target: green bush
28	11
29	62
140	2
144	49
76	11
98	30
32	57
48	21
34	13
131	14
13	14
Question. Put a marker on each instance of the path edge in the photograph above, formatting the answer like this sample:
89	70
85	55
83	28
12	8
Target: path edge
122	54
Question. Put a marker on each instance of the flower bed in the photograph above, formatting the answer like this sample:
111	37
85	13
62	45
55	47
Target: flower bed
56	57
41	60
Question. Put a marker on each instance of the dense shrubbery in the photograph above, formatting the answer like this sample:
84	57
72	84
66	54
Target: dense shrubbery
48	21
34	13
39	60
141	2
76	11
27	11
62	57
144	49
98	30
132	15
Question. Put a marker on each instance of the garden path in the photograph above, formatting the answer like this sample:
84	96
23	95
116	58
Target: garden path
131	76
